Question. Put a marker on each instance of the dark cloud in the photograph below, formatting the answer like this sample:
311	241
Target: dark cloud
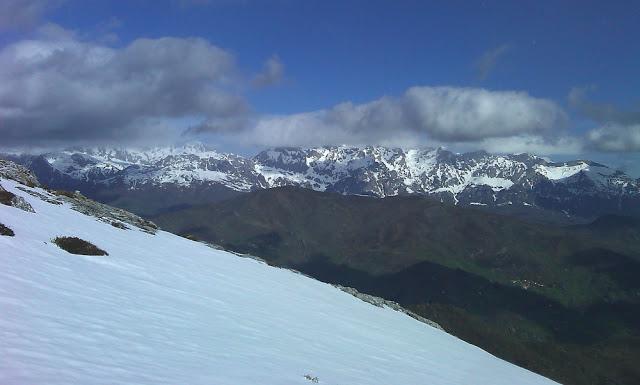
56	87
487	62
615	137
619	129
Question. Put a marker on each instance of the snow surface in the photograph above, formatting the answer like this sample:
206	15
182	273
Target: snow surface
557	172
161	309
496	184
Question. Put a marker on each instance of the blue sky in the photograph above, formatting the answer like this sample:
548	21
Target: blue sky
326	53
361	50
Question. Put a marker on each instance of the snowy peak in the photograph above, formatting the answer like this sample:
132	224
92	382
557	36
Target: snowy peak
440	167
594	175
182	166
144	157
419	170
560	171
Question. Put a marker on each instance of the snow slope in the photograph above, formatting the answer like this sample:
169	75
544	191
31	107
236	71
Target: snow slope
160	309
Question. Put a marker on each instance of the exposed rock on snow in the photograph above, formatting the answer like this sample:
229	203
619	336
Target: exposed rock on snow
381	302
11	170
10	199
78	202
108	214
4	230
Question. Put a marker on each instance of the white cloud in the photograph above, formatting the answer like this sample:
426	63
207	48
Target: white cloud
442	114
57	86
469	114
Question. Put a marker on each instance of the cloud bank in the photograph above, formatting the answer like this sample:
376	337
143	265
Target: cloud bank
56	87
421	116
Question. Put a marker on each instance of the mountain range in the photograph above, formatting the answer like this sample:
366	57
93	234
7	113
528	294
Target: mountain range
196	174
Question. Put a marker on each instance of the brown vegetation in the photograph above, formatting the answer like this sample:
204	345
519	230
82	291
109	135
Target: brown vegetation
68	194
79	246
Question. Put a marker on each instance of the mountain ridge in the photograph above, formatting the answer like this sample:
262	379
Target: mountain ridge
579	188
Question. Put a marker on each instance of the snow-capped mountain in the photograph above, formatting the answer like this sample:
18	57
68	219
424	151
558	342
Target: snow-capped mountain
381	172
580	187
156	308
182	166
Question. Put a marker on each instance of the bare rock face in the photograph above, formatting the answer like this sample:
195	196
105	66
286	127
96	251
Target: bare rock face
78	202
10	199
11	170
108	214
20	203
6	231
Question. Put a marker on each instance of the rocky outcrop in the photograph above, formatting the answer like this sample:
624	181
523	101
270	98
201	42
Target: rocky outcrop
381	302
108	214
10	199
6	231
22	174
77	201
